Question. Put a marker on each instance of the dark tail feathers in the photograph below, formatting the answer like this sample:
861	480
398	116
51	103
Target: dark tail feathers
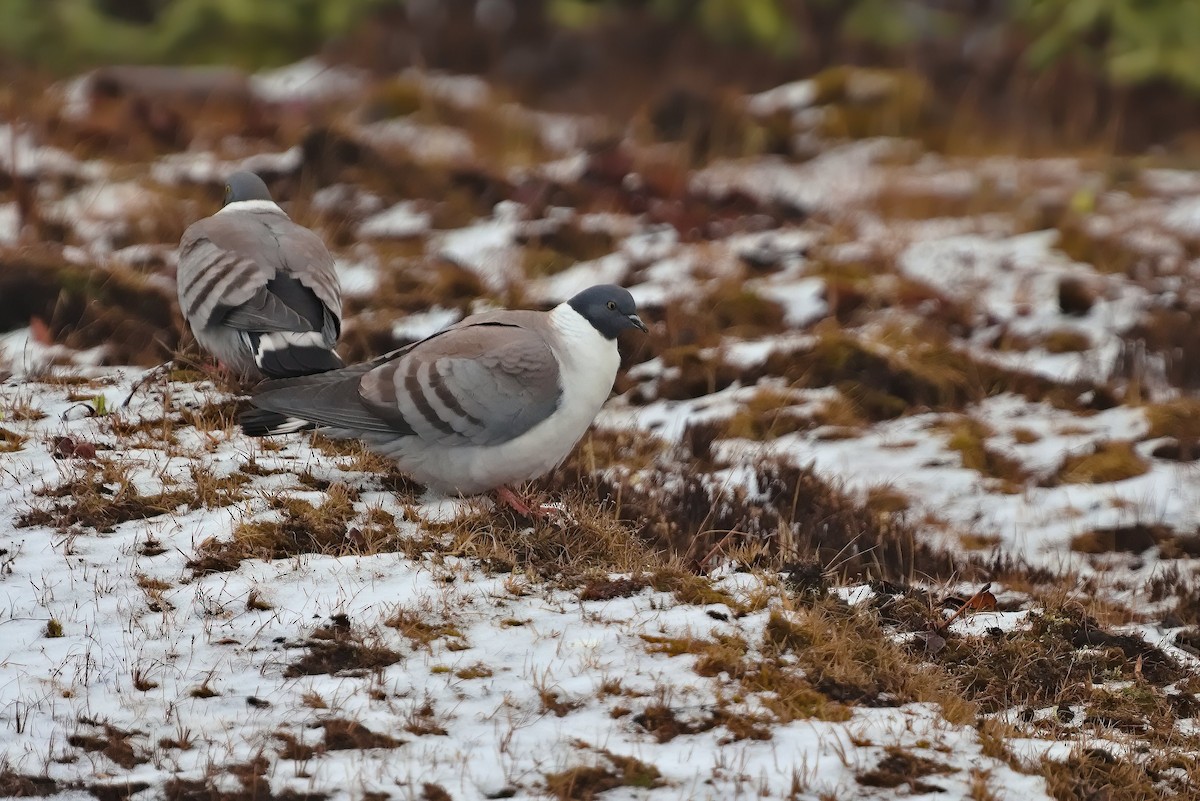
264	423
289	355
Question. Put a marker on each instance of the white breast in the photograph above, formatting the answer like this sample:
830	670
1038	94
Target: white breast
587	369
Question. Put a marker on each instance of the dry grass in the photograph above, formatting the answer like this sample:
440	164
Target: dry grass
102	495
969	437
336	649
586	782
1107	462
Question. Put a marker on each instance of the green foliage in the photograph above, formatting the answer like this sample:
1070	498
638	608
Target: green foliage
65	35
1129	41
1133	41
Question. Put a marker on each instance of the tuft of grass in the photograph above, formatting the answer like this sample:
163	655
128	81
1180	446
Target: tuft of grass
969	437
586	782
422	633
338	650
1066	340
1135	538
1055	659
10	441
110	742
475	671
847	655
345	735
1108	462
101	496
785	513
605	588
765	416
584	538
902	767
303	528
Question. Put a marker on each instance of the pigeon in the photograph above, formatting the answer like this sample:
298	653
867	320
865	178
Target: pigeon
499	398
259	291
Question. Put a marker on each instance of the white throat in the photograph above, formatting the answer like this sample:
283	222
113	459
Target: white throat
252	205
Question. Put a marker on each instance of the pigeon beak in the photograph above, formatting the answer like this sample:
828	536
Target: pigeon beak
636	322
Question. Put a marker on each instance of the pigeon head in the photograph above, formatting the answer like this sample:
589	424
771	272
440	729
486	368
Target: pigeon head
245	186
610	309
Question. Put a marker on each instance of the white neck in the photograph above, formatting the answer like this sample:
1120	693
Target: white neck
581	342
253	205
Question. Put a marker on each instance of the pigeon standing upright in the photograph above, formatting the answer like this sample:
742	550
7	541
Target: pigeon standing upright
259	291
501	397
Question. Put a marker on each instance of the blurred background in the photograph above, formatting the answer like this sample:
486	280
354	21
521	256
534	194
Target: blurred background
750	167
1047	72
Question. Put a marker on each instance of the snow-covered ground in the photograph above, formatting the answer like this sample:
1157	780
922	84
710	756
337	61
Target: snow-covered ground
384	650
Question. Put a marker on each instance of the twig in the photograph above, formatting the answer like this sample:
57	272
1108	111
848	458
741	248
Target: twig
970	604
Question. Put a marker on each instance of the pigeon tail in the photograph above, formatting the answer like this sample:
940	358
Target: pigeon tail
265	423
288	354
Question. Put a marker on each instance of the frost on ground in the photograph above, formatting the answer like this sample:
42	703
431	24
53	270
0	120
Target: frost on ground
898	496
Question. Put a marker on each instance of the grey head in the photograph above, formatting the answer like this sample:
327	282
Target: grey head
610	309
245	186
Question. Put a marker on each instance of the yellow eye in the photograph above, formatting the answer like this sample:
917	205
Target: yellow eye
612	306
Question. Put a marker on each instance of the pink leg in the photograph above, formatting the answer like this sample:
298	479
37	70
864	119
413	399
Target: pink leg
506	497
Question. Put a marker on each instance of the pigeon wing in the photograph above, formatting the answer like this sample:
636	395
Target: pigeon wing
477	383
480	384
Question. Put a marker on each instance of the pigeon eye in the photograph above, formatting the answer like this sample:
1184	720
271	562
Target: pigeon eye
612	306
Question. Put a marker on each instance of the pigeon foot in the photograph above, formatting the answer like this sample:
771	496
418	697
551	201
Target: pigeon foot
505	497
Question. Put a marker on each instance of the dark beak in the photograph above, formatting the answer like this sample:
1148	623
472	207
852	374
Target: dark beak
636	322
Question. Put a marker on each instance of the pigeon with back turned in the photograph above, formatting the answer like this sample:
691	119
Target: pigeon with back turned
259	291
499	398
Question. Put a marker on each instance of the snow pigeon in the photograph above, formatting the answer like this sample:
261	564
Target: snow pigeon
499	398
259	291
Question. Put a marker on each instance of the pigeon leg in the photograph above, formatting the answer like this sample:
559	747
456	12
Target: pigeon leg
506	497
